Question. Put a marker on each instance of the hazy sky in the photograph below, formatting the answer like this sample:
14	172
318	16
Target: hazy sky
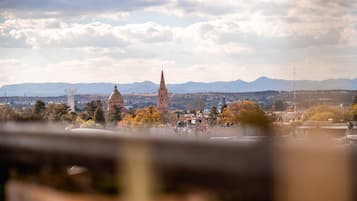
192	40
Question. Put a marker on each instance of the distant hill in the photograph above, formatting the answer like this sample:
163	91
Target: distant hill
261	84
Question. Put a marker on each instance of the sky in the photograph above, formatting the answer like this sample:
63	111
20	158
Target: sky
127	41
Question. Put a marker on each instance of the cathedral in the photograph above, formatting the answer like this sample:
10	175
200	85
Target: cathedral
162	98
115	99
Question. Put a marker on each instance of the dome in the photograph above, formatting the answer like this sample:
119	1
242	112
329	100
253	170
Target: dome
115	99
115	94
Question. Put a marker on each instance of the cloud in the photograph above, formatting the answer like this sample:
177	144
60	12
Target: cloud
53	33
79	6
94	39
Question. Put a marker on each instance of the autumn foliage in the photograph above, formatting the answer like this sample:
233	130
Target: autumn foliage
245	113
146	117
326	112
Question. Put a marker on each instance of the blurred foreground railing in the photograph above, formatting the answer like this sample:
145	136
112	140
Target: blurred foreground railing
143	167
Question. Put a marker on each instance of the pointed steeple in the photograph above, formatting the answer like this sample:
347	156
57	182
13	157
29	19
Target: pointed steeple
162	99
162	81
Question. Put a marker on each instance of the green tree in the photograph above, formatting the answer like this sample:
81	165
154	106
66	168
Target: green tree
99	115
38	110
69	117
57	112
91	108
213	115
84	116
115	114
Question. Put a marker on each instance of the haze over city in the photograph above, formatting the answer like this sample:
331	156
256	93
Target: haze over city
104	41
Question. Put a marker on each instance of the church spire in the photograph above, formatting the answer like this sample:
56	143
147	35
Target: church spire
162	98
162	81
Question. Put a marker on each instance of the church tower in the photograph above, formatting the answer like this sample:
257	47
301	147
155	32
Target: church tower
162	98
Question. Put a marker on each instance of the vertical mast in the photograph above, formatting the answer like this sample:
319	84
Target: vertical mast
294	88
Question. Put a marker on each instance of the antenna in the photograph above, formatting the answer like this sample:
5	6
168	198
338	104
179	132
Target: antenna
294	89
70	98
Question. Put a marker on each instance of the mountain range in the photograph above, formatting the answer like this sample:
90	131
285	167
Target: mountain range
148	87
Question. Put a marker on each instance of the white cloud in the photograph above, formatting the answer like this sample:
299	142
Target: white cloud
43	33
65	8
196	37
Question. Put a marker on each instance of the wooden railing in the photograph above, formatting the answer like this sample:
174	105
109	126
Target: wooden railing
231	170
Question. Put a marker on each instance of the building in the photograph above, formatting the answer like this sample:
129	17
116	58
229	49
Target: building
71	98
162	98
115	99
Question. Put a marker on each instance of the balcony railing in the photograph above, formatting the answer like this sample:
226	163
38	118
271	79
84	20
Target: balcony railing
134	166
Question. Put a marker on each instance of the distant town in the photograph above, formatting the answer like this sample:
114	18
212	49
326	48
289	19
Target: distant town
193	111
184	101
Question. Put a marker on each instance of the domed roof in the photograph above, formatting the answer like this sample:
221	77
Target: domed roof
115	94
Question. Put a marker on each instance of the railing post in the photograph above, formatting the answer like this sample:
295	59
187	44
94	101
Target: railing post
4	176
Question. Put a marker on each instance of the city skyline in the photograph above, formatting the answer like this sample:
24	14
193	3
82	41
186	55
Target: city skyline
203	41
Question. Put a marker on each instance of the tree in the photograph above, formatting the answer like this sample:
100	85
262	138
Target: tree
223	107
213	115
99	115
39	107
146	117
325	112
225	118
7	113
91	108
354	112
38	110
246	113
84	116
25	114
115	114
128	120
57	112
69	117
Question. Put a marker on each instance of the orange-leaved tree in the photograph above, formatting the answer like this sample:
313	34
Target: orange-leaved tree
146	117
245	113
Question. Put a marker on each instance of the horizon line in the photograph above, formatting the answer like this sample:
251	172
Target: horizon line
168	83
